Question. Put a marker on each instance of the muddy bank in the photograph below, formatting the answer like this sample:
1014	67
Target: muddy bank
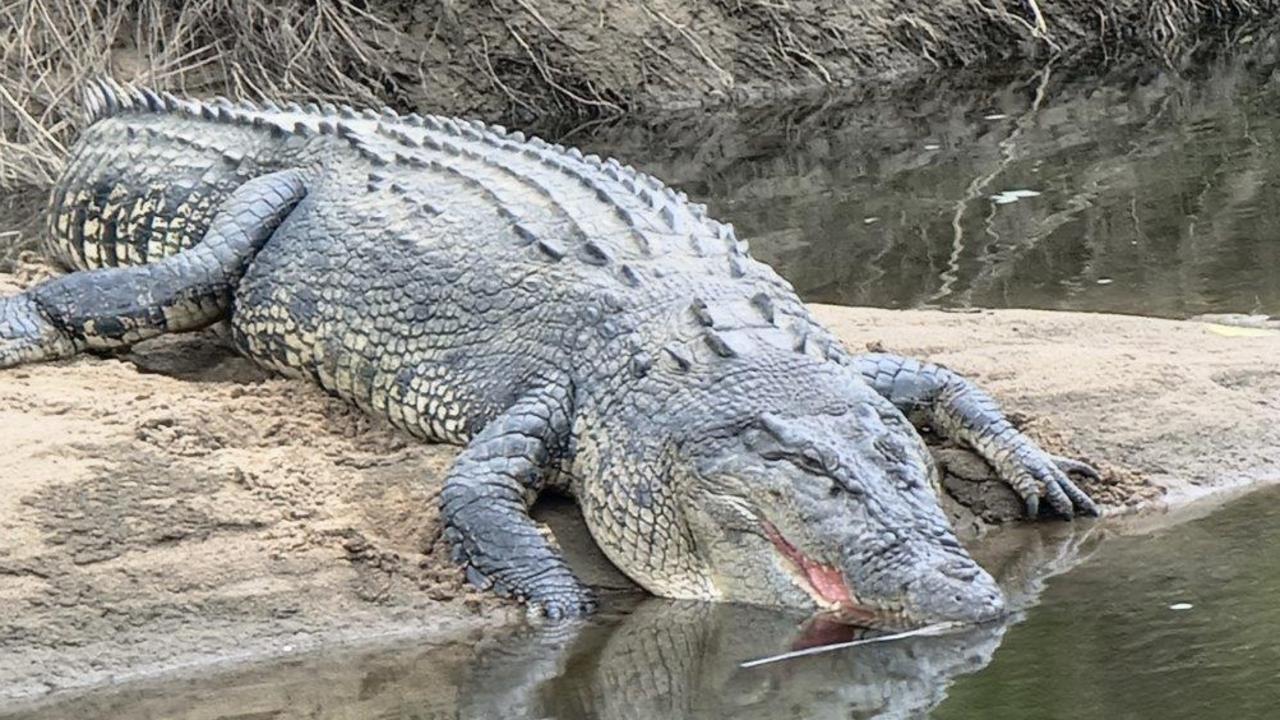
176	506
525	60
534	62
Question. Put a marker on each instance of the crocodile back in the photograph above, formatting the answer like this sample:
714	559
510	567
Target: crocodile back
429	244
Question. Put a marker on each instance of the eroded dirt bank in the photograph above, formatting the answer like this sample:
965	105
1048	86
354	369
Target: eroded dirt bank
177	506
524	62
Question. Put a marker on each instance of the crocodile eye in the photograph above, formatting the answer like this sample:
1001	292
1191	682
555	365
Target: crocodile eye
817	461
812	459
841	486
830	462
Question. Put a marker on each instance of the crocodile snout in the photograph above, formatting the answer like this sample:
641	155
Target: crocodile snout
955	592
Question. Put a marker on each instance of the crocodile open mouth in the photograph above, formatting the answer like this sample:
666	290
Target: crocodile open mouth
825	583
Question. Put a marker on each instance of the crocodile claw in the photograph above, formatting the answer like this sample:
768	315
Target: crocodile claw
1068	465
558	595
1045	476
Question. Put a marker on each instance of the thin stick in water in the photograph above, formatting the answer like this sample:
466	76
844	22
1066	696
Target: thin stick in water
935	629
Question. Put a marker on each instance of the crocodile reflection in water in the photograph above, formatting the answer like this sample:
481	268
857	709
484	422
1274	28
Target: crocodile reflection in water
654	659
682	660
676	659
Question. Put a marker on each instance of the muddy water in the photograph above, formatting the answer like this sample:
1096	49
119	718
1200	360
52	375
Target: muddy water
1099	641
1137	193
1114	638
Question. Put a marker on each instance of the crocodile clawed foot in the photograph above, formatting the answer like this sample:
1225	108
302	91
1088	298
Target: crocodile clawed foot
554	594
1044	476
27	335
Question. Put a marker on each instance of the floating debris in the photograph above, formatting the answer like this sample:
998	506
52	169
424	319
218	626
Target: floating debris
928	630
869	220
1010	196
995	116
932	146
1181	606
1104	281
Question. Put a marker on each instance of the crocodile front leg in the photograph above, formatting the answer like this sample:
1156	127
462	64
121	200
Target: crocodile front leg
961	411
115	307
486	501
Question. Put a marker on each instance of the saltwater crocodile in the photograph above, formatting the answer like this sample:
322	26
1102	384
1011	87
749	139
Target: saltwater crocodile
576	324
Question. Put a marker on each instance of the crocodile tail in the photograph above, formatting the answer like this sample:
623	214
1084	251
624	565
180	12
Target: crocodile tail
104	98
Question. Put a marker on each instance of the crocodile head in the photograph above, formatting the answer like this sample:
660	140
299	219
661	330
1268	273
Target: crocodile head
827	505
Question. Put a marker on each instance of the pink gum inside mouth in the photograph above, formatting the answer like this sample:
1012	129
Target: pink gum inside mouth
826	582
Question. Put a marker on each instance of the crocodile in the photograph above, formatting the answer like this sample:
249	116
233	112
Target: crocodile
578	326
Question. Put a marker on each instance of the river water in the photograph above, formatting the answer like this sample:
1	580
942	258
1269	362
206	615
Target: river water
1100	641
1140	192
1155	194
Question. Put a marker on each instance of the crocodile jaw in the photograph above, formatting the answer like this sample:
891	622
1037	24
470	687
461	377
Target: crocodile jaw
824	583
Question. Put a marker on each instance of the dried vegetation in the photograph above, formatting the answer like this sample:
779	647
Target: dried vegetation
250	48
527	60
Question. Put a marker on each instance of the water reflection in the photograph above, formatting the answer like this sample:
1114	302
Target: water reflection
1156	193
643	658
1106	642
681	660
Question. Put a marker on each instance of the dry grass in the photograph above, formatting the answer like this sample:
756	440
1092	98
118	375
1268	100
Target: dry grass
523	61
36	82
249	48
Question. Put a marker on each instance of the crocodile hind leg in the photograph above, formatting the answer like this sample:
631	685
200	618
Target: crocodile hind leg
961	411
486	500
116	307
